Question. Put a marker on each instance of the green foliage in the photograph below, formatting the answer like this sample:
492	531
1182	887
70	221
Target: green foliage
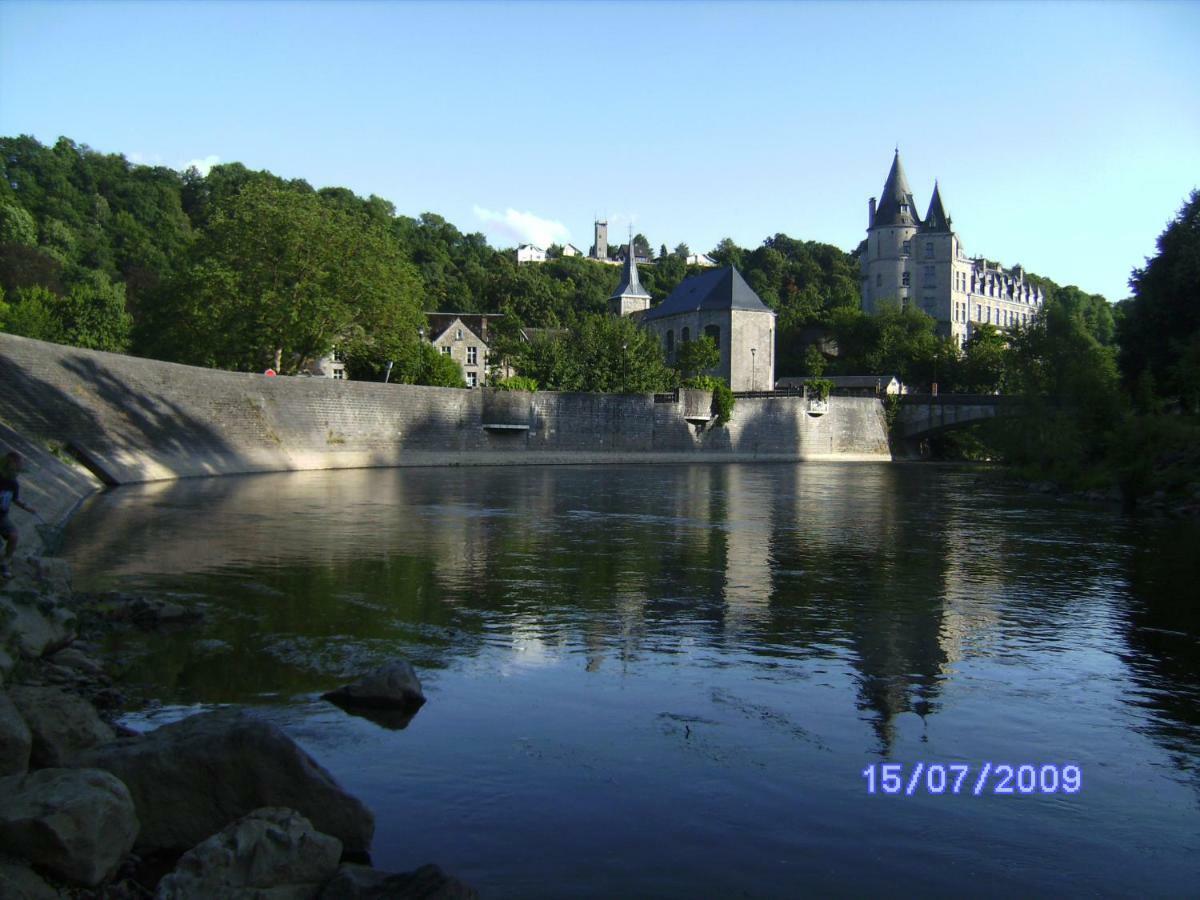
820	388
1159	328
722	397
901	341
814	361
17	226
435	368
694	357
517	383
981	370
279	277
92	314
604	354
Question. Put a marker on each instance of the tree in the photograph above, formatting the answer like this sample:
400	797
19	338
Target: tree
605	354
279	277
1159	328
682	251
17	225
641	247
92	314
662	252
982	366
697	356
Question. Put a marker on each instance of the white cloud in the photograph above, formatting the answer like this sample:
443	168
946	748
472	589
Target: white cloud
522	227
203	166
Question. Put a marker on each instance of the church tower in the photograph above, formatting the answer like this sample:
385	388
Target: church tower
891	228
600	246
630	296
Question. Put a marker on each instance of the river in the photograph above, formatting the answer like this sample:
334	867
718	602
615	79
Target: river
672	680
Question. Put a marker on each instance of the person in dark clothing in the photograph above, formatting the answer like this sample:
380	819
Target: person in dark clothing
10	495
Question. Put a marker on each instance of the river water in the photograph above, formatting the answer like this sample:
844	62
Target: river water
669	680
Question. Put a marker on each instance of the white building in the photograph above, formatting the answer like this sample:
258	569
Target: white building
528	253
571	250
921	262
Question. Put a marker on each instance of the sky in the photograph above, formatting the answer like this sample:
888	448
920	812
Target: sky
1064	136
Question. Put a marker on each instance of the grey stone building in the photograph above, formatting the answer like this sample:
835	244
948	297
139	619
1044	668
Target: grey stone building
629	297
921	261
719	304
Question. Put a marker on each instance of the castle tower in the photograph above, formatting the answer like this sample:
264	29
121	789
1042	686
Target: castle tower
600	247
885	265
630	296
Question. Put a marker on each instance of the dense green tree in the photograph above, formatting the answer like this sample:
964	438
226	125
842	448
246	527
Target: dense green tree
604	353
696	357
1160	327
982	367
91	314
17	226
280	277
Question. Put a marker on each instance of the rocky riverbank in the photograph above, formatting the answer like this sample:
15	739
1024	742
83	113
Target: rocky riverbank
220	804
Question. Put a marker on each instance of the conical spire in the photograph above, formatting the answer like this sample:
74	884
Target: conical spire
630	285
896	206
936	219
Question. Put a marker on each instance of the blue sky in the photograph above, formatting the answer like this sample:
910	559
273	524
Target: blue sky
1065	136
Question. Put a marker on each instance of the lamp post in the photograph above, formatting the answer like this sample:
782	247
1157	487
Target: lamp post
624	346
387	371
753	369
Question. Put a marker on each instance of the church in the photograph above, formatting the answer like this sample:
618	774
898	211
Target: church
920	261
717	304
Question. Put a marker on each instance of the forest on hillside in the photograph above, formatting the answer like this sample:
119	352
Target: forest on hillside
242	269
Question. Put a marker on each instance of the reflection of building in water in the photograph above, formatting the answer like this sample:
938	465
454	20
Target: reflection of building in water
969	616
747	588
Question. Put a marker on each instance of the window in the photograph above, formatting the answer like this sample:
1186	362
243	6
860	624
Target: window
472	356
472	380
907	248
445	351
685	335
670	344
458	335
714	332
878	279
930	275
339	374
904	279
929	249
978	313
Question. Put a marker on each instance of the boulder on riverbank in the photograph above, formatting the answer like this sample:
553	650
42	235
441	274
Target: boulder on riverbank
426	883
191	778
16	741
393	686
62	724
271	852
77	824
32	624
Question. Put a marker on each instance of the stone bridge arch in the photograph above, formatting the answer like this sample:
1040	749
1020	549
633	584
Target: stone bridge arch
925	415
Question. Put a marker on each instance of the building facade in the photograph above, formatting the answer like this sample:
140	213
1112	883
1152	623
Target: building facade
463	337
921	262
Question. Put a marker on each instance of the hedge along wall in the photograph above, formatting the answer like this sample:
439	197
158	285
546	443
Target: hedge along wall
138	420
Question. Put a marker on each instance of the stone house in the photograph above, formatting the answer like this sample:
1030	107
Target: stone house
720	305
463	337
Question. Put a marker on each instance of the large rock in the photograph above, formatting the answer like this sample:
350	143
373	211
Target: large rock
62	724
32	624
394	686
272	850
426	883
19	882
192	778
15	739
77	824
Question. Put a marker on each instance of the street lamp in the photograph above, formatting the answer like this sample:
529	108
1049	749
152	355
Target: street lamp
387	371
624	346
753	369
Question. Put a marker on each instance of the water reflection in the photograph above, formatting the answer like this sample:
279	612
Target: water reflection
773	627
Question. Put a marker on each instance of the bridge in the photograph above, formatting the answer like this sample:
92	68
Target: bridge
924	415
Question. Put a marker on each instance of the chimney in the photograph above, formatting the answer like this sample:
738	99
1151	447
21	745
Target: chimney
871	214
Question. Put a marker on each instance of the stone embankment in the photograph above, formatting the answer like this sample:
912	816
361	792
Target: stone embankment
135	420
224	801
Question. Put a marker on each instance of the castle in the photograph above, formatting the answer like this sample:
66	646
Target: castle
920	261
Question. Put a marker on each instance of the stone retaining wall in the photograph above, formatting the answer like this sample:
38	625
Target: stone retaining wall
138	420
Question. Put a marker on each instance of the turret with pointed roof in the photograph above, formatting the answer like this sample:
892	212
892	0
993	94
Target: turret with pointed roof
936	219
630	296
896	206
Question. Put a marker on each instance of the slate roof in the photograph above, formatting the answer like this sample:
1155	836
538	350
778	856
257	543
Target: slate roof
718	289
630	285
936	219
895	194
